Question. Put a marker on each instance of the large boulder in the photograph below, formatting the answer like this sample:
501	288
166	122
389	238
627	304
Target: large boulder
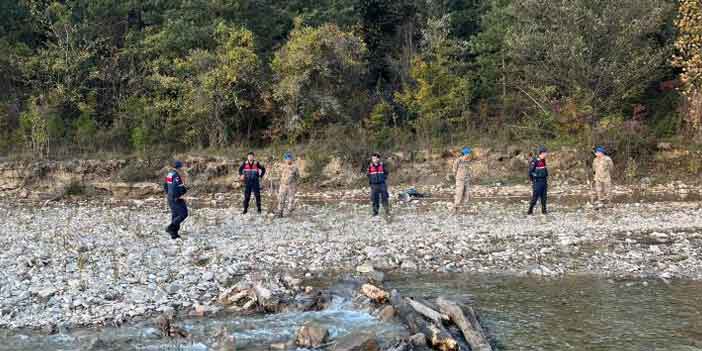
311	335
357	342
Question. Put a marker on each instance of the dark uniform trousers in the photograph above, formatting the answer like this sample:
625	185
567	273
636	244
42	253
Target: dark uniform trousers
255	188
379	193
179	212
539	192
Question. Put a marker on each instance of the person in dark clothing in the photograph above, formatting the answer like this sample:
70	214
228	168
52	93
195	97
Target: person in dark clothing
175	189
251	172
377	176
538	175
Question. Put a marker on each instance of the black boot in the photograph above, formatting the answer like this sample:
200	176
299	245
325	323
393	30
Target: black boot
531	210
245	210
170	230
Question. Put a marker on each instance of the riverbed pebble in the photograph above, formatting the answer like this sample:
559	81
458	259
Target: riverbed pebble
93	263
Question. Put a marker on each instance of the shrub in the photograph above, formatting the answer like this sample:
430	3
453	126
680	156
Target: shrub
317	157
135	173
318	78
74	188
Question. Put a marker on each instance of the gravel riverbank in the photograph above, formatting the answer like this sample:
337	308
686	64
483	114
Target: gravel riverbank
90	263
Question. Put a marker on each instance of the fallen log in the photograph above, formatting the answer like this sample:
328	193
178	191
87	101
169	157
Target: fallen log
472	331
436	335
427	311
475	321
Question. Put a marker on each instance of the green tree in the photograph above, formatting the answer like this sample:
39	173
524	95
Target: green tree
440	96
34	123
593	54
488	48
85	129
319	75
222	87
389	29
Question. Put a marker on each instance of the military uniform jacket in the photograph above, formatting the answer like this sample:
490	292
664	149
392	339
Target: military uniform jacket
537	170
461	168
173	186
252	172
377	173
603	169
290	175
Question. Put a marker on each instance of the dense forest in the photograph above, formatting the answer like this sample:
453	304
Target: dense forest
147	76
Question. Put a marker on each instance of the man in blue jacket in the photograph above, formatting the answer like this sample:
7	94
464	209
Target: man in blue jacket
251	172
174	189
377	175
538	175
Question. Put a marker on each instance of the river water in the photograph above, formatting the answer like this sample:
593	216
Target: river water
522	313
578	312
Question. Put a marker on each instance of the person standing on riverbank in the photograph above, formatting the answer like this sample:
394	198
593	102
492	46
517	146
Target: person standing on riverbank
538	175
251	172
462	175
288	185
175	189
377	177
602	165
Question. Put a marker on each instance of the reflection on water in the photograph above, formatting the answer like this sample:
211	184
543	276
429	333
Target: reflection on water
573	313
577	313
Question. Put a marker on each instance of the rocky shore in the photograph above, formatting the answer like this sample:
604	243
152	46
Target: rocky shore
95	262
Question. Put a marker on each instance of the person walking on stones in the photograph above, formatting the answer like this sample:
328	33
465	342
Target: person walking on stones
377	176
602	165
461	173
288	185
538	175
175	189
251	172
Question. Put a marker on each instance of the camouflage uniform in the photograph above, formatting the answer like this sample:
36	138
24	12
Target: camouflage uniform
288	188
603	167
461	172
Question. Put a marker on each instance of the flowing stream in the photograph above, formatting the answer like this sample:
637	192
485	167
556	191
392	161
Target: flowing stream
522	313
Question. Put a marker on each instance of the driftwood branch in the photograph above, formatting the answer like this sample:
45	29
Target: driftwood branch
436	335
426	311
469	326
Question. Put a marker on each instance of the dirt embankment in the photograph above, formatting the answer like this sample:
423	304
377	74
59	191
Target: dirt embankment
139	178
